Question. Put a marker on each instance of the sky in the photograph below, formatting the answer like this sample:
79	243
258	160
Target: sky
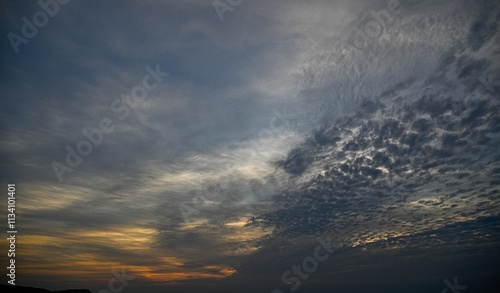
252	146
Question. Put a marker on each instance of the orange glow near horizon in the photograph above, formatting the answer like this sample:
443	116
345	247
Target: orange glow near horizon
89	259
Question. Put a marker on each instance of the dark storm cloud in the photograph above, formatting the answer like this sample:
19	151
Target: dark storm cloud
396	147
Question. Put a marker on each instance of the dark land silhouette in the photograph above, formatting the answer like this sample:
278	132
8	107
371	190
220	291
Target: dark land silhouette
22	289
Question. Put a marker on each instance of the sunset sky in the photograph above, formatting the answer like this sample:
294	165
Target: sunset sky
210	146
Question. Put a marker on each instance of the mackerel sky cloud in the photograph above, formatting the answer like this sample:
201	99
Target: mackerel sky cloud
252	146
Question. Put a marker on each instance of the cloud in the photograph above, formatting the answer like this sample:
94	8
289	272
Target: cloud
271	128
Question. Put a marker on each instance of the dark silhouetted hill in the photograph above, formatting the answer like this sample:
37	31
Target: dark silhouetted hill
21	289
